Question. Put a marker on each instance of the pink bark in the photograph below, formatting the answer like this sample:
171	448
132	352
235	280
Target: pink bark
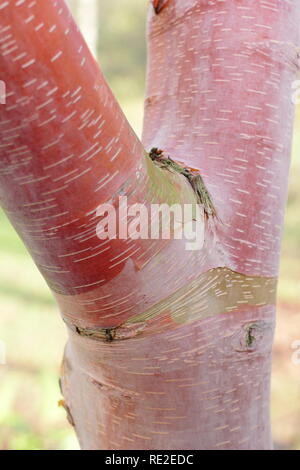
190	364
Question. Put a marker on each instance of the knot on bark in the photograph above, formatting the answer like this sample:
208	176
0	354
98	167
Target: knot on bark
252	336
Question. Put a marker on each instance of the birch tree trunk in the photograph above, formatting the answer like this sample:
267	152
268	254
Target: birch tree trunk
168	348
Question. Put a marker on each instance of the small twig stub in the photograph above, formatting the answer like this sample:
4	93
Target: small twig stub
194	178
159	5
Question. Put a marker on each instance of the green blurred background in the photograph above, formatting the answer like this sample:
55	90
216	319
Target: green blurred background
29	320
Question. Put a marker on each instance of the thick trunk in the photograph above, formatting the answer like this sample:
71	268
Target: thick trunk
168	348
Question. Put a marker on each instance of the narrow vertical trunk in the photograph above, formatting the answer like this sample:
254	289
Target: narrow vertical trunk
168	348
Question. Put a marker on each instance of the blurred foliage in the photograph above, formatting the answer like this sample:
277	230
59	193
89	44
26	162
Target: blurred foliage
29	320
122	46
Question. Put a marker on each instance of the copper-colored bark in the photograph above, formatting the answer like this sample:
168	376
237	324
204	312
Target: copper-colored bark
168	348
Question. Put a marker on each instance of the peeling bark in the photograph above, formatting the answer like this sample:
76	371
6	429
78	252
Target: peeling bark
168	348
